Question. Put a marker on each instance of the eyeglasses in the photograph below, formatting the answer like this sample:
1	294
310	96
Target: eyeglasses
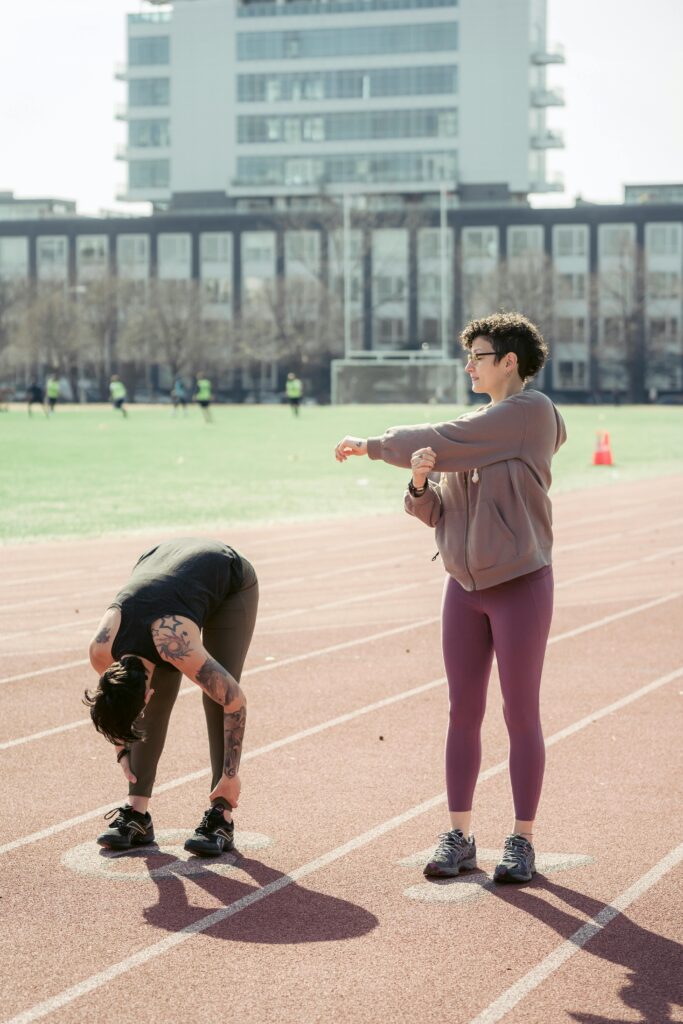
476	357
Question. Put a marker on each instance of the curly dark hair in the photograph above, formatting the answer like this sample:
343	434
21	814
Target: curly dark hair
118	700
510	332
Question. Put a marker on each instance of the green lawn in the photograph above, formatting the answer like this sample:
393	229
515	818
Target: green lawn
86	470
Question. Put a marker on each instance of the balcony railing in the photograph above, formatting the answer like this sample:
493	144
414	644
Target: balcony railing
547	97
547	140
120	71
121	111
548	55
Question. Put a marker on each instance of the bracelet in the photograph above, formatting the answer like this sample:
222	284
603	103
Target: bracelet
122	753
417	492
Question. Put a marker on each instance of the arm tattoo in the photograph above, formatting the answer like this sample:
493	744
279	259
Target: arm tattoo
171	640
233	733
217	682
103	635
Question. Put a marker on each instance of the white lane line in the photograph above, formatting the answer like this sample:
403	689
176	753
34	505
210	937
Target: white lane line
543	970
158	949
261	668
620	565
596	624
280	559
621	535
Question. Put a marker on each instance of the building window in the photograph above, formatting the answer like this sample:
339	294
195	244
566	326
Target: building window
52	256
342	42
132	255
663	239
149	173
347	84
616	239
663	284
92	255
149	92
174	255
570	286
375	167
149	133
13	258
570	241
148	50
525	241
480	242
385	124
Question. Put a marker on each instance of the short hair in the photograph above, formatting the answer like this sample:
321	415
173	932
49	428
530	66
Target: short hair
118	700
510	332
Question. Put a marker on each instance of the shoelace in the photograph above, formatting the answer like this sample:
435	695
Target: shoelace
204	829
515	851
448	843
122	816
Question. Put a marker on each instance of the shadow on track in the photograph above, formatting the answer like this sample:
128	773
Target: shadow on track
654	963
291	915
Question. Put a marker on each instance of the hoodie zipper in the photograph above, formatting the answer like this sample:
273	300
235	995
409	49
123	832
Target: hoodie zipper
467	527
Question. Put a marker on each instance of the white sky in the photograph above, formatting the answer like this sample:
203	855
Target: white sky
623	84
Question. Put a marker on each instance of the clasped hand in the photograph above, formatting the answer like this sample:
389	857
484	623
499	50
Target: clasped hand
422	463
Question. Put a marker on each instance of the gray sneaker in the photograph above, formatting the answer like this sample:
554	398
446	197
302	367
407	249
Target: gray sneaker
454	854
518	863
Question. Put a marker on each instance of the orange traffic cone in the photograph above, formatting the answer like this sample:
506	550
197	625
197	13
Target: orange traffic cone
602	456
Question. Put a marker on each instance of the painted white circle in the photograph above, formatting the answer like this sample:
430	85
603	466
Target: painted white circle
163	859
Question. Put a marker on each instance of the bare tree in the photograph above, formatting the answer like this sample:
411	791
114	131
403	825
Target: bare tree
621	302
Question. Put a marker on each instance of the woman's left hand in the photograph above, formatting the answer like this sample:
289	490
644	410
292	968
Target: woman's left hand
350	446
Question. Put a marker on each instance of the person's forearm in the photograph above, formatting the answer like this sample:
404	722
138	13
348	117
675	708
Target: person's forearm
218	684
234	723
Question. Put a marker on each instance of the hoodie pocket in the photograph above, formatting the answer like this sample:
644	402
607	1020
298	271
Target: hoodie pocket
491	541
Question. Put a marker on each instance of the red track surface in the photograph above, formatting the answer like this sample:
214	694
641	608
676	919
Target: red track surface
319	919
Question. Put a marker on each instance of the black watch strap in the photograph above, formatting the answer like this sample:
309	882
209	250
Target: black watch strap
417	492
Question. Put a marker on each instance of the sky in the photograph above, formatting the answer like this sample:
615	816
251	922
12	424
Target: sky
623	85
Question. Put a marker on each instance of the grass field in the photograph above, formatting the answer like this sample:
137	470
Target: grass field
87	471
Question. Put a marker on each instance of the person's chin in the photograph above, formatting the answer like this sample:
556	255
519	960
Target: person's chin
475	385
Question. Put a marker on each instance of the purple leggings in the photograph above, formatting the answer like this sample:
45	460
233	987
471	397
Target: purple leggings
511	620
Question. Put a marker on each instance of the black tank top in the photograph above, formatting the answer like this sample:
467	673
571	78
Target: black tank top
187	576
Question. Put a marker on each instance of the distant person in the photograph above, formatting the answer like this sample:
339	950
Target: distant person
295	390
203	396
179	395
35	395
118	394
188	609
492	515
52	389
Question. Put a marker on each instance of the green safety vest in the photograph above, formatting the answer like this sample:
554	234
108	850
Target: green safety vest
295	388
204	390
53	389
117	390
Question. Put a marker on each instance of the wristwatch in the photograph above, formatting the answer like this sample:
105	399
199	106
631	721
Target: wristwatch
417	492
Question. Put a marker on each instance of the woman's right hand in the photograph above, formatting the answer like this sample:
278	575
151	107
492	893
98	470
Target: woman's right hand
422	463
125	766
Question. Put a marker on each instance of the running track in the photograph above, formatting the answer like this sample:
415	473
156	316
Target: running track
326	915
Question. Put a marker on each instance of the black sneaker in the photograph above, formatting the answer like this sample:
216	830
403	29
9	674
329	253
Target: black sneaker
454	854
518	863
213	836
129	828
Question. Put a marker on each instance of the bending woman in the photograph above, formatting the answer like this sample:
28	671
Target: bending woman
189	608
492	516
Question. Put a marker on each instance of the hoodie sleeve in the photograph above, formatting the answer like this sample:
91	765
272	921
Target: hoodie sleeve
427	508
477	439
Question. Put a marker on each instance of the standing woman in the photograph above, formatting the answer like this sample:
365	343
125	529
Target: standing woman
492	516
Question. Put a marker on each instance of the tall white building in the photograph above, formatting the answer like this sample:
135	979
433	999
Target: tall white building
232	98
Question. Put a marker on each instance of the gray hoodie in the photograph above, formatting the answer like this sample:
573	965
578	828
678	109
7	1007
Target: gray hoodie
491	508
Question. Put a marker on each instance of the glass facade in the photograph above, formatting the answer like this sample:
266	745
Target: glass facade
13	258
149	133
132	256
174	256
149	92
268	9
348	42
377	167
215	270
570	241
429	281
339	127
149	50
348	84
258	270
92	256
149	173
52	257
390	288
